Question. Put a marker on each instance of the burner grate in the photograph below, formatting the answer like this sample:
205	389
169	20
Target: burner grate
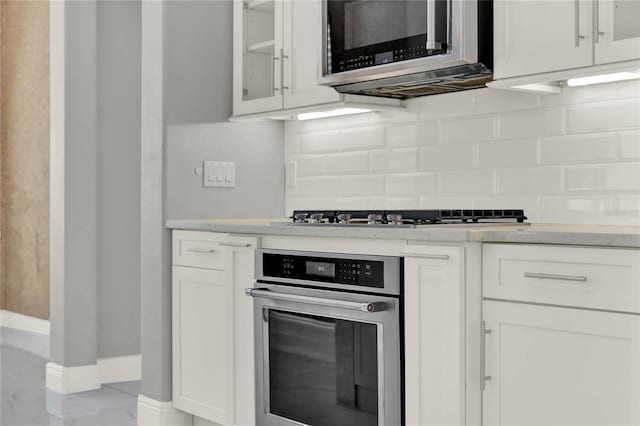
415	217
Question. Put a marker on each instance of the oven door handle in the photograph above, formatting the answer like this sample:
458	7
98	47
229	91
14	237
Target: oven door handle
342	304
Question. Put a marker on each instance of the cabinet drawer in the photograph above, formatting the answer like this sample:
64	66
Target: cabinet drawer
198	249
599	278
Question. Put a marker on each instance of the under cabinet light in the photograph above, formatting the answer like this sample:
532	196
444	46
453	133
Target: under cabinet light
603	78
331	113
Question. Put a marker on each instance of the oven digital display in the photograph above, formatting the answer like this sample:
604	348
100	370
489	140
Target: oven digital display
320	269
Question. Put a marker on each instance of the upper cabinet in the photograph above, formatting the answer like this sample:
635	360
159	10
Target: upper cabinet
540	36
276	56
618	30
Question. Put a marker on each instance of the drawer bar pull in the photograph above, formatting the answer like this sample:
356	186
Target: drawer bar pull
428	256
200	250
232	244
580	278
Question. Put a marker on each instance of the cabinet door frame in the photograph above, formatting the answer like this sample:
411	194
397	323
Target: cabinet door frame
553	319
181	401
435	323
527	62
296	53
607	49
274	102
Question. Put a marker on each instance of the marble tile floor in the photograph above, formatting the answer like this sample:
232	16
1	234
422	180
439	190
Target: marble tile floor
24	400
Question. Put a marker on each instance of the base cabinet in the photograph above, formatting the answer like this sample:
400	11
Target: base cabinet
213	370
552	366
434	336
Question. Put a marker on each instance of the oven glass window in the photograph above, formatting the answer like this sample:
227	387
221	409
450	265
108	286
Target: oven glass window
323	371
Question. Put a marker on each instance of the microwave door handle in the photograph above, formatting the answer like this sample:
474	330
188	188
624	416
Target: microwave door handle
367	306
432	24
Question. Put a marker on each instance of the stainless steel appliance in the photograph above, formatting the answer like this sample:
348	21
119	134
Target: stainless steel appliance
405	218
406	48
328	339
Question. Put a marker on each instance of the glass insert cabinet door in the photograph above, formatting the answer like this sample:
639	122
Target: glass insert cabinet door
323	371
257	55
617	30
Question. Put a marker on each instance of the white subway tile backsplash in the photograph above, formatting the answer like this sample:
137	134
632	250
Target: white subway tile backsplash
319	186
578	209
394	160
530	123
530	180
445	202
621	176
359	186
568	158
312	165
629	145
427	132
508	153
447	157
468	129
447	105
604	177
496	100
403	135
571	149
601	116
412	184
466	182
343	140
347	163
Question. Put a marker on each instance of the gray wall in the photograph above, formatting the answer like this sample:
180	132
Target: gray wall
95	180
73	183
257	149
187	79
199	41
118	180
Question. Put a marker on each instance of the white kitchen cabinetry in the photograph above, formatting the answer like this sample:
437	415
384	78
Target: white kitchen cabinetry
276	56
434	335
541	36
213	369
618	30
554	366
556	351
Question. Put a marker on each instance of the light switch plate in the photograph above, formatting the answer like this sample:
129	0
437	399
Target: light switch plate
219	174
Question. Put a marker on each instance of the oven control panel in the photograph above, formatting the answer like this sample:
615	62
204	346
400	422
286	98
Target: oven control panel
359	272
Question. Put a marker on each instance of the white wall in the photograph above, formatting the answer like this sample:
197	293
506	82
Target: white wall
569	158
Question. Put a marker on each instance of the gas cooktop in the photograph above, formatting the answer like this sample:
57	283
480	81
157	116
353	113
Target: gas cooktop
403	218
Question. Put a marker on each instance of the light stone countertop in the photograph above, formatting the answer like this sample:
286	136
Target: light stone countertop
585	235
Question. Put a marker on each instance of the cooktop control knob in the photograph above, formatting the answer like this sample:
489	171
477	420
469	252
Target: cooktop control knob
300	217
394	219
344	218
374	218
315	218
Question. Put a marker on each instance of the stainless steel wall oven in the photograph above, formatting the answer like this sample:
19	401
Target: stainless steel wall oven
328	339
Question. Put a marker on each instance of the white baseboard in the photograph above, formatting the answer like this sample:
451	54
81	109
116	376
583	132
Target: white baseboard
23	322
68	380
161	413
120	368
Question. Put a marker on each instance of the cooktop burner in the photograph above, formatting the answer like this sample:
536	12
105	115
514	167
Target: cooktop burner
404	217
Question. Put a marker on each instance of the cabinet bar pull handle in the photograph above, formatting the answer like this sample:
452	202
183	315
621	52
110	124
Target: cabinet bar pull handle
577	23
232	244
283	56
200	250
596	20
428	256
277	89
580	278
368	307
483	356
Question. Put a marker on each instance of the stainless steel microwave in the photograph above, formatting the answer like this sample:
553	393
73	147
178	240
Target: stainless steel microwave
406	48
